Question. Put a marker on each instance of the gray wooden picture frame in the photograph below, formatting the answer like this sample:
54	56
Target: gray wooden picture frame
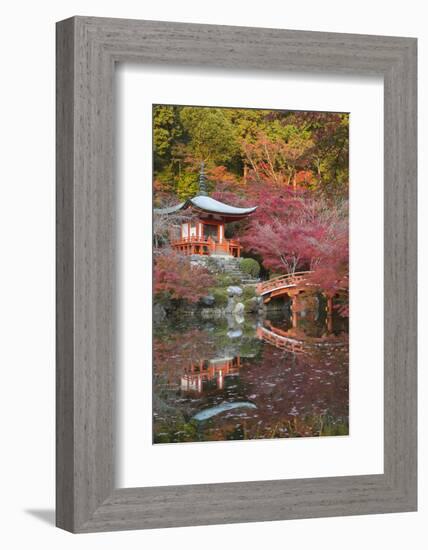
87	50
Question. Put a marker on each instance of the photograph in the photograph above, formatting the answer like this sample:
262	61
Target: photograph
250	273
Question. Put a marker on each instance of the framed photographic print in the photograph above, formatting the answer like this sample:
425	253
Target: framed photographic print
236	282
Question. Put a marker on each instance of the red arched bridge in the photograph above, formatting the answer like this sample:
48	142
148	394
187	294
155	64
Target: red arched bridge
289	284
292	285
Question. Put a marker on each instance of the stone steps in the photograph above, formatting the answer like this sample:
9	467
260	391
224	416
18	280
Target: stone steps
227	265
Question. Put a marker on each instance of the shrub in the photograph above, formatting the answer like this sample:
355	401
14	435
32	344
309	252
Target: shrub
249	292
220	295
224	280
250	266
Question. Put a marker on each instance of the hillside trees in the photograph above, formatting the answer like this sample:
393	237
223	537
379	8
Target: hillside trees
210	135
308	149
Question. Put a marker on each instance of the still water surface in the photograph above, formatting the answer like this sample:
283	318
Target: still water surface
235	379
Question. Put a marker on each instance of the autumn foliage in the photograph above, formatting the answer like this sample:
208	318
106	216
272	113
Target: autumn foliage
175	278
293	230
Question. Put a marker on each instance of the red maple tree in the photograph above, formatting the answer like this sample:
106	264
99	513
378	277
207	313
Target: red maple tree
176	278
294	229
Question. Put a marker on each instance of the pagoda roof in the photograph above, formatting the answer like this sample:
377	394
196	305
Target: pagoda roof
210	206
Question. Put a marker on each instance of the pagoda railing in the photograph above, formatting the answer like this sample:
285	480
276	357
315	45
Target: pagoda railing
206	246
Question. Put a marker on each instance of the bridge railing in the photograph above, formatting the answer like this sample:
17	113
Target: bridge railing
290	279
299	344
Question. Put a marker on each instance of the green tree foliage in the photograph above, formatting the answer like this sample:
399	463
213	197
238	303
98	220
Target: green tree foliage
210	134
167	132
187	185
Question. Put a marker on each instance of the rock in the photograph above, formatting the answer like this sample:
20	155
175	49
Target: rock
234	291
239	319
235	333
238	309
159	313
254	304
230	305
234	321
208	300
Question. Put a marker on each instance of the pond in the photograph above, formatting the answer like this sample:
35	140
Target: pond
234	378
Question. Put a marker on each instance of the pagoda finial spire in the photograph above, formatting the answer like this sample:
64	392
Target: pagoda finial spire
202	181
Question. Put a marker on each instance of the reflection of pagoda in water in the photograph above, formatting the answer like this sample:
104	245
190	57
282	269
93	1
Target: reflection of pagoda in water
205	372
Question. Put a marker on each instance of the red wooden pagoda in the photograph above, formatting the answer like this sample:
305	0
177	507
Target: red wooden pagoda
205	235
